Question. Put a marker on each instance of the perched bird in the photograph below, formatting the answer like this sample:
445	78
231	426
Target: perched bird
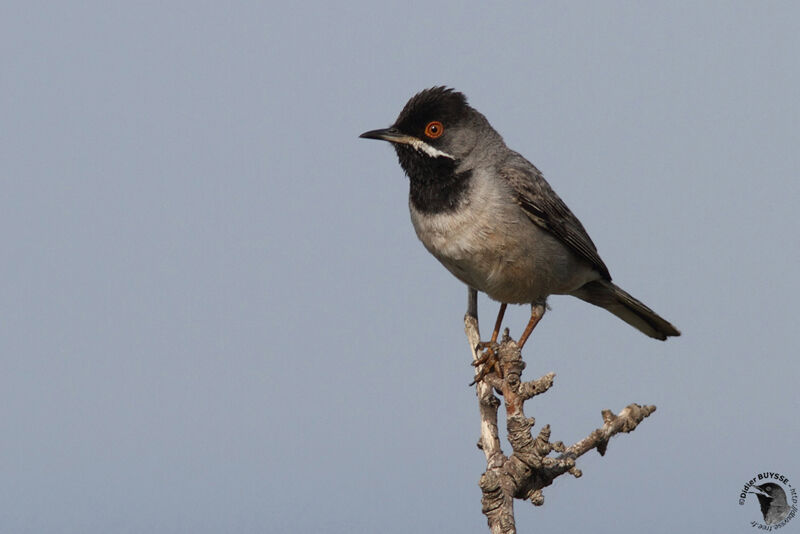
773	502
488	215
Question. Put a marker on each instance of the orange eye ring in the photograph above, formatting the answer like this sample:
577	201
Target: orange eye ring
434	129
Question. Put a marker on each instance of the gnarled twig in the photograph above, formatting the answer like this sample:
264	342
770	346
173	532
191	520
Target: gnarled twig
529	469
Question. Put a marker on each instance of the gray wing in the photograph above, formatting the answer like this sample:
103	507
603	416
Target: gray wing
544	207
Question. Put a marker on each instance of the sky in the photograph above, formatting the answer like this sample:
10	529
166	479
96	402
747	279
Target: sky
215	315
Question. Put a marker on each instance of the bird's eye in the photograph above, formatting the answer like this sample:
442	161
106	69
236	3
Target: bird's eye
434	129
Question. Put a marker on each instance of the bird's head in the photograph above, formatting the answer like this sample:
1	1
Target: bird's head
772	500
436	123
770	491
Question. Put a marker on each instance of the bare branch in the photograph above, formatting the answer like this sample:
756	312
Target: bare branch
488	404
529	469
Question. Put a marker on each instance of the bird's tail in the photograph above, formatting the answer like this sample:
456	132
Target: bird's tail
611	297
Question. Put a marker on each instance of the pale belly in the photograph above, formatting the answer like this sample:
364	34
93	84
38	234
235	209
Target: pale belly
507	256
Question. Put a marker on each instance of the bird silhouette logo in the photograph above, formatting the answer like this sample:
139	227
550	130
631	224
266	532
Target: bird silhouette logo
777	499
772	499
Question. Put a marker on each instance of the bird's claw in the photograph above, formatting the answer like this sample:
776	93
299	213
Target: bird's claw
489	349
488	361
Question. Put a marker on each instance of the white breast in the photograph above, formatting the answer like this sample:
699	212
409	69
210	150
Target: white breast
490	244
465	239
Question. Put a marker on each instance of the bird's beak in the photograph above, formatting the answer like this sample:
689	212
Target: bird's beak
391	134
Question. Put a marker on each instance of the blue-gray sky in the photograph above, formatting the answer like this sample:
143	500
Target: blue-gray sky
215	316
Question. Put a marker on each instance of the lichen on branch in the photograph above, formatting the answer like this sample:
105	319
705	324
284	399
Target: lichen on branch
529	468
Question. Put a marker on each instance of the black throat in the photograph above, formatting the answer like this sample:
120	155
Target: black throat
436	187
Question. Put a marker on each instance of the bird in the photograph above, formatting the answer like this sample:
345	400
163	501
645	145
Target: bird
490	217
772	499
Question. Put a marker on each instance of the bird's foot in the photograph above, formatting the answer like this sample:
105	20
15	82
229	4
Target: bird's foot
488	361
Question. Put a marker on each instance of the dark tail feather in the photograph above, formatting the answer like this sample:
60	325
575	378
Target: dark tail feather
611	297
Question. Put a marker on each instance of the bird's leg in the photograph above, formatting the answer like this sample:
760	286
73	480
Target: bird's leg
489	358
472	302
493	342
537	312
